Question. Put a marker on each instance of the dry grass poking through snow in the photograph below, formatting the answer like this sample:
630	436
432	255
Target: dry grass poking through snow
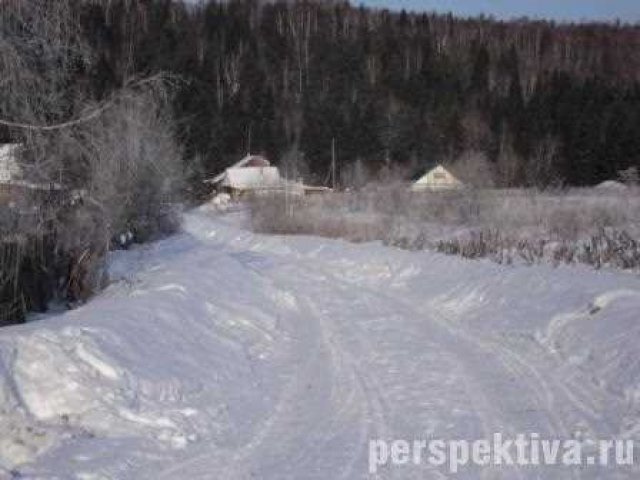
589	226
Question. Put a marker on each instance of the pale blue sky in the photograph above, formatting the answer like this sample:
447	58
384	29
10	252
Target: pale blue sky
573	10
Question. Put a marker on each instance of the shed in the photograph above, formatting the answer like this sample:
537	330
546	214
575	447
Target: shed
246	162
10	170
252	174
15	187
10	173
250	178
438	178
255	175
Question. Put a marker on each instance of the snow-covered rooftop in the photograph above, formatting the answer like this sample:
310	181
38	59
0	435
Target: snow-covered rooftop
9	168
612	186
244	178
437	178
246	162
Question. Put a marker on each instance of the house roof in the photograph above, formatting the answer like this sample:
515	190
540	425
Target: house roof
246	162
243	178
10	170
438	176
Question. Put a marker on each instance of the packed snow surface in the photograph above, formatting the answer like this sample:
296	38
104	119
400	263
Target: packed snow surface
221	354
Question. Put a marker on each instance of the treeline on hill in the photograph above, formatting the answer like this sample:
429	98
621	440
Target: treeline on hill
539	103
115	101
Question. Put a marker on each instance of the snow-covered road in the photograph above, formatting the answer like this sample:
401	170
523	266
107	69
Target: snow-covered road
221	354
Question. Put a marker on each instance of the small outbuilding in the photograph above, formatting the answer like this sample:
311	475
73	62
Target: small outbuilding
9	168
10	174
15	187
253	173
438	178
250	178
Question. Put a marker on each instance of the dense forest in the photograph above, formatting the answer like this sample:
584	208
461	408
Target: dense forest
124	106
538	103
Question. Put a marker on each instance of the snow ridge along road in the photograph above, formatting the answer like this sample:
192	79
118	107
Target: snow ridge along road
221	354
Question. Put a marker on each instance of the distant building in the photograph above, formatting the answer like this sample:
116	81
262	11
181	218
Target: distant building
10	173
250	178
9	168
15	188
438	178
254	174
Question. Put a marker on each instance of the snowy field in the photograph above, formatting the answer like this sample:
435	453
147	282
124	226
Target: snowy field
222	354
590	226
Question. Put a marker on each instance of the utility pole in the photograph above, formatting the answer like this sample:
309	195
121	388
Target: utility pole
333	163
249	140
286	189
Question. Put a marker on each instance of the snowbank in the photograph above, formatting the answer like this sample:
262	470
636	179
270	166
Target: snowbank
611	186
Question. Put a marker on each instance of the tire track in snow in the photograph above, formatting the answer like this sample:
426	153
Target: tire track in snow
237	464
374	406
322	357
374	414
507	360
487	415
495	405
552	396
371	386
511	364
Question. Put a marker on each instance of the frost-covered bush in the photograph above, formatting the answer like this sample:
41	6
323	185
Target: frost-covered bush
111	161
133	166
